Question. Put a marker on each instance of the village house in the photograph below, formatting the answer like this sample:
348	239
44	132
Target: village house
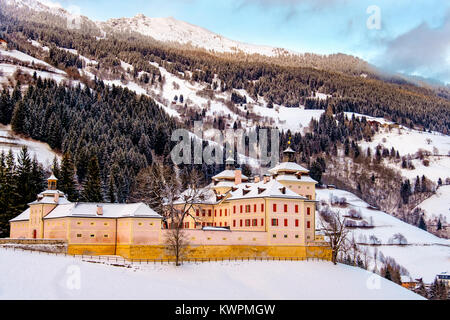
3	44
273	216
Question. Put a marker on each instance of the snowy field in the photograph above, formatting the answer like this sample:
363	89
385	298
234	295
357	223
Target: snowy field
424	256
42	151
438	204
28	275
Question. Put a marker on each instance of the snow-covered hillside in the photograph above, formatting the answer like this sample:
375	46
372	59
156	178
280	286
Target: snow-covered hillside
172	30
424	255
438	204
27	275
408	142
30	66
42	151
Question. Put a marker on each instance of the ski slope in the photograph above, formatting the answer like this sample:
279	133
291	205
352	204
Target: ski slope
28	275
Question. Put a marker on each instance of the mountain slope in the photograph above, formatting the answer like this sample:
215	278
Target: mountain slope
172	30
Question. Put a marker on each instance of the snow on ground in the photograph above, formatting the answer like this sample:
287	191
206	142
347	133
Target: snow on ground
29	59
38	45
408	142
28	275
425	255
172	30
368	118
438	204
8	141
294	119
130	85
86	60
8	70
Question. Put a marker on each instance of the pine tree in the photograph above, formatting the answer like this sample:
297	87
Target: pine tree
18	117
92	191
24	179
111	189
422	225
66	181
56	169
439	225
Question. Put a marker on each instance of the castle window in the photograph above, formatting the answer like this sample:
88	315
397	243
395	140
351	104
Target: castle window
209	212
105	236
241	223
151	223
255	222
220	224
247	222
308	224
197	213
296	222
234	223
92	223
274	207
79	223
248	208
242	208
140	224
220	212
186	225
79	235
262	222
234	209
285	208
105	224
92	235
296	208
225	224
254	208
296	236
226	212
215	212
308	211
204	212
285	236
285	222
275	222
262	207
274	236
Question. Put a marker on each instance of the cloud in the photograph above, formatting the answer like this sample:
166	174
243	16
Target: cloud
293	7
423	51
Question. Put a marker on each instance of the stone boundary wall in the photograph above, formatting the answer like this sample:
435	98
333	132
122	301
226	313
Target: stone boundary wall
43	245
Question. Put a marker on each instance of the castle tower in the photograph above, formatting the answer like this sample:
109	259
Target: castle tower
52	182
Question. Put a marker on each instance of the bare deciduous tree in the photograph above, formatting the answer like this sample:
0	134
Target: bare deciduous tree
333	227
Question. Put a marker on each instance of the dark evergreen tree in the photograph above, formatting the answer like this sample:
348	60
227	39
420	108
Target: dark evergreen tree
92	191
422	224
66	181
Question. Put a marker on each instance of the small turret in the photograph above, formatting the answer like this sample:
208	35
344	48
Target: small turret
288	155
229	164
52	182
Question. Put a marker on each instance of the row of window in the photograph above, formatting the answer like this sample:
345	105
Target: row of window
80	235
248	209
79	223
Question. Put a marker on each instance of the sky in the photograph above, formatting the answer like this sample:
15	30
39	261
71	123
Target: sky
406	36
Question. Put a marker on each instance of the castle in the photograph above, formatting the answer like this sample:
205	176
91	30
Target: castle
273	216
